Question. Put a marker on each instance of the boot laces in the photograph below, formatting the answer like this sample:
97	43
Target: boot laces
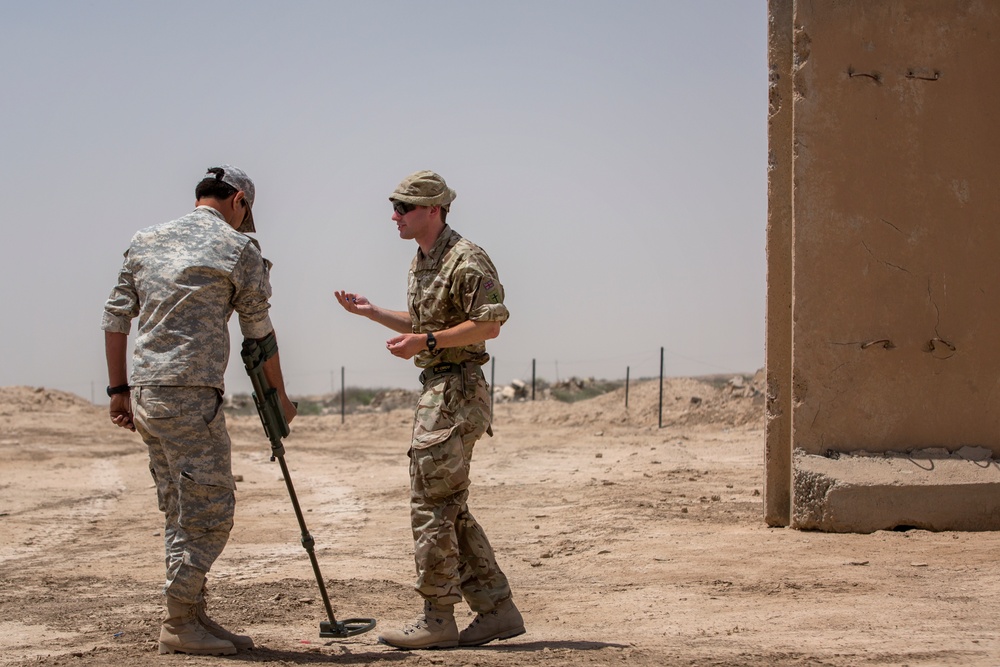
415	625
481	616
421	622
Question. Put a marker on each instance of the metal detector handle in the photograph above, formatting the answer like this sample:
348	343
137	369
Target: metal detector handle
265	397
272	416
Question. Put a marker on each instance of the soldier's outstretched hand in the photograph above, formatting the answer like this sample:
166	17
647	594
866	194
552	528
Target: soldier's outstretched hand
354	303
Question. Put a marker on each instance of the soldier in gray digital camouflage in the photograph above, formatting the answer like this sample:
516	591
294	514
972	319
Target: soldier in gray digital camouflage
183	280
455	304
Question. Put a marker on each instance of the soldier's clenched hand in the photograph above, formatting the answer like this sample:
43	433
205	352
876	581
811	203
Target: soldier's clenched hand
407	345
121	411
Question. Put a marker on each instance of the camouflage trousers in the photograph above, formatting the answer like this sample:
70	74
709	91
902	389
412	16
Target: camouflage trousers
190	461
453	556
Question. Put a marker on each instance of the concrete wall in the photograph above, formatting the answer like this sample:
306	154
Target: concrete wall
892	218
778	353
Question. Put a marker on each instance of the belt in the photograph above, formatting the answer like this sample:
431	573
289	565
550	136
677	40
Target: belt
438	370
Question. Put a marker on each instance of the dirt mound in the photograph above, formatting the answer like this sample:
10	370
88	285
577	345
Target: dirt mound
686	402
691	401
729	400
392	399
40	399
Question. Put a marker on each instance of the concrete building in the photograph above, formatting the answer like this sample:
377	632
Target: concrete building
883	314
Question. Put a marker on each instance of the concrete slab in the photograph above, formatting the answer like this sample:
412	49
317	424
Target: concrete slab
933	489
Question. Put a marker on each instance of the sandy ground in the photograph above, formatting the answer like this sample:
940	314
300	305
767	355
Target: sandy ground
625	543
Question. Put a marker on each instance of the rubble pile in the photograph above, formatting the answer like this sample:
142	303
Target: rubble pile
736	400
40	399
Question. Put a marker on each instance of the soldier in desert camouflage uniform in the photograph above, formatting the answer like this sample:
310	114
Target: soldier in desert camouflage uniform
455	305
183	280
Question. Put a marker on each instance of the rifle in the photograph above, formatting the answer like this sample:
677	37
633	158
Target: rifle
272	416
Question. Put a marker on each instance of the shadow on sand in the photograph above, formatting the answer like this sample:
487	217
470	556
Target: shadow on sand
349	657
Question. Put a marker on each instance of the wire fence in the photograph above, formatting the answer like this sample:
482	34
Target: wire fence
524	392
347	398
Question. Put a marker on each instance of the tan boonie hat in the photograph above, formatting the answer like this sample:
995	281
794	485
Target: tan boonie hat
237	178
424	188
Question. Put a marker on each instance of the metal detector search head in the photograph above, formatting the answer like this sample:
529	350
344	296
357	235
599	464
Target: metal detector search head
345	628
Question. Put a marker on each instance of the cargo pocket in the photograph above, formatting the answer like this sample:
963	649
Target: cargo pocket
436	417
204	509
161	491
441	469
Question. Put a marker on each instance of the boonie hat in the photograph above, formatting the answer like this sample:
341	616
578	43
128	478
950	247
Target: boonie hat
237	178
424	188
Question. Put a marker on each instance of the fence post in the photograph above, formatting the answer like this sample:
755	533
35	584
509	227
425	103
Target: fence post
493	368
661	387
342	403
532	379
626	386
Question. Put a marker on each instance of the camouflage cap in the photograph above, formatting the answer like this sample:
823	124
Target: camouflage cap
424	188
237	178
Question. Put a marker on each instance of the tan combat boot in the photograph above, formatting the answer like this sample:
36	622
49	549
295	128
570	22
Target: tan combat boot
182	633
502	622
241	642
435	629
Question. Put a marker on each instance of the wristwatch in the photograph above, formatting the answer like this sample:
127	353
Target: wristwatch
431	342
120	389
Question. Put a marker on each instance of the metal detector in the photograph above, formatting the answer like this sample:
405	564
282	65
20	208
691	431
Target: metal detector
272	416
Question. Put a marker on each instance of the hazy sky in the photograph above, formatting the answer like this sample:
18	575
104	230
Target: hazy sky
611	157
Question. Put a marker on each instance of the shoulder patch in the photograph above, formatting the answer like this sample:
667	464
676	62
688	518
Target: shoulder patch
492	293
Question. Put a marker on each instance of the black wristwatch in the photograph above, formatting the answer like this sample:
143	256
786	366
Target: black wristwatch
431	342
120	389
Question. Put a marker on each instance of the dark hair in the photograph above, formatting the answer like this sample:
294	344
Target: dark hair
444	214
212	187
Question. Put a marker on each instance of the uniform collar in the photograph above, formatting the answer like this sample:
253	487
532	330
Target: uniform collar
444	241
205	207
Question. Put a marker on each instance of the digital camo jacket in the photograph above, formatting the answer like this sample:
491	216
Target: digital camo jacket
183	280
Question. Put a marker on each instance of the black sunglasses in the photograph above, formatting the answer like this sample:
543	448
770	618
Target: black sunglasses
401	207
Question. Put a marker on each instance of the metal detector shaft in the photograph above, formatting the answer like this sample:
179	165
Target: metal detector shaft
272	416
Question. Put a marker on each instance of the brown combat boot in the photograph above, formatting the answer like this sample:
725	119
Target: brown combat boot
241	642
502	622
182	633
435	629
